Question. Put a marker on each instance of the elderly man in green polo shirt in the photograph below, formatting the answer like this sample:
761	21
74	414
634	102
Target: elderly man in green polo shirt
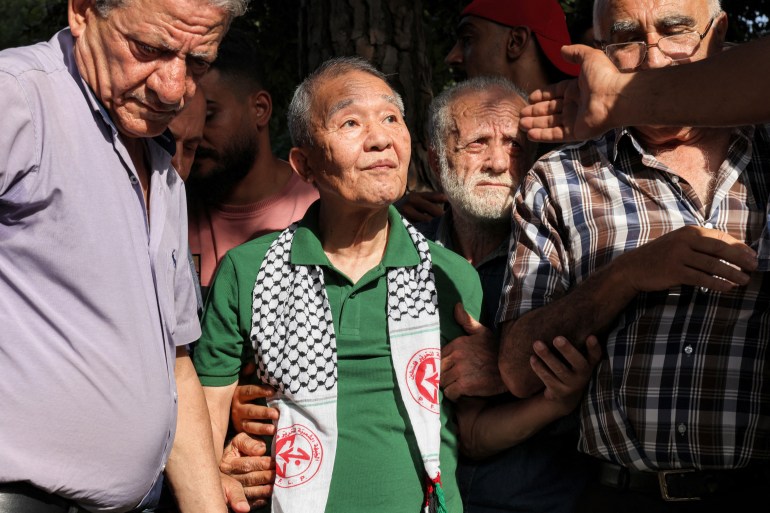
347	311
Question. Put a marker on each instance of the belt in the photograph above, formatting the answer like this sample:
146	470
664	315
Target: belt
22	497
683	484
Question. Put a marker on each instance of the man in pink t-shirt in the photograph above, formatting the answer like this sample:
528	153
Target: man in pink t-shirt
238	188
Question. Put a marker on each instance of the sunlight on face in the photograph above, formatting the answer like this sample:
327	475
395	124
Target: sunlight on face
143	60
485	156
361	145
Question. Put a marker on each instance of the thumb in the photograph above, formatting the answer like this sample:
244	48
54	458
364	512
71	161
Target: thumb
576	54
249	446
466	320
234	495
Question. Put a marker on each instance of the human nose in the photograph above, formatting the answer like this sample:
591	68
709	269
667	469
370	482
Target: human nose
455	55
171	83
654	58
378	138
498	159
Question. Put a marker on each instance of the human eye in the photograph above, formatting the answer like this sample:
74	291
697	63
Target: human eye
198	66
476	144
147	51
392	119
349	123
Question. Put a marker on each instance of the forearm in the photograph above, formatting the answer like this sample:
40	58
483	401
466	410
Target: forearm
589	309
218	400
487	430
192	470
676	95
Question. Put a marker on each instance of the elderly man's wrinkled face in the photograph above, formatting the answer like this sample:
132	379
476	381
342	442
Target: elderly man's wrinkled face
187	128
623	21
362	147
480	49
142	60
486	154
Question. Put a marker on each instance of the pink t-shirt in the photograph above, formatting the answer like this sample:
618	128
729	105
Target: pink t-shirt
213	230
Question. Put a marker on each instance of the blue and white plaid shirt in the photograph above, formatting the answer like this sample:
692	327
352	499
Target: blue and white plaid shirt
686	378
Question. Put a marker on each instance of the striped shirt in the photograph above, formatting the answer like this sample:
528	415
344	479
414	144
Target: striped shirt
685	381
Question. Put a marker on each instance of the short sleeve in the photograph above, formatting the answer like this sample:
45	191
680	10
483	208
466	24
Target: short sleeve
217	355
19	147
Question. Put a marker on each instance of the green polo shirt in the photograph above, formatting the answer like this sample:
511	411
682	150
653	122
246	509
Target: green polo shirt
377	466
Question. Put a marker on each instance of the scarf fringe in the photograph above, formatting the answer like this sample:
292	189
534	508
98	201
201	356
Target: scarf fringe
435	502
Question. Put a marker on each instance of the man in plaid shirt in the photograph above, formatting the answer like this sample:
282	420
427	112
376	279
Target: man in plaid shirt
643	236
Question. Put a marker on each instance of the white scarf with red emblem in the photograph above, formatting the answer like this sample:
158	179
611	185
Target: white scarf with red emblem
296	352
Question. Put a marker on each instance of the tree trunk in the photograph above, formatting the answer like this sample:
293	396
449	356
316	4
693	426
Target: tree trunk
387	33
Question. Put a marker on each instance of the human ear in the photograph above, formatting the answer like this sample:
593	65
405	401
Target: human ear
261	105
518	39
77	15
299	163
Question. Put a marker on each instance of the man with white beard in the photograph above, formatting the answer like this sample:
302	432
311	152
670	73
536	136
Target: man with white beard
517	454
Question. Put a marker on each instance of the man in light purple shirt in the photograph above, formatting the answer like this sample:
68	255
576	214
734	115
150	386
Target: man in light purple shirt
97	302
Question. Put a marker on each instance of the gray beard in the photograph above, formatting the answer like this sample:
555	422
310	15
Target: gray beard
485	208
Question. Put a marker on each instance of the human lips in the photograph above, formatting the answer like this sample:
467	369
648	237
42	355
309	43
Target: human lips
487	183
382	164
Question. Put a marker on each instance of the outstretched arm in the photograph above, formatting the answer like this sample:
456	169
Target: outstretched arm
697	94
694	256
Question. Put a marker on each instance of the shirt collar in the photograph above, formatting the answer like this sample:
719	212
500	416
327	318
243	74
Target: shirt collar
306	248
67	44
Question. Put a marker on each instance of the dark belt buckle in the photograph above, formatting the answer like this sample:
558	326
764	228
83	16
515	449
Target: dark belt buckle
663	483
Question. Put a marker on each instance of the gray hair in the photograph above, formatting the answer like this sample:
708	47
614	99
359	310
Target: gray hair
440	121
298	113
715	7
234	7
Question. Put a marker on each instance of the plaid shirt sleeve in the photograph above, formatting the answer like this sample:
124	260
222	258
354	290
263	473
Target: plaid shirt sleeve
538	267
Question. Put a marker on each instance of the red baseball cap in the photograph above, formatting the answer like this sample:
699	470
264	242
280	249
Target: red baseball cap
543	17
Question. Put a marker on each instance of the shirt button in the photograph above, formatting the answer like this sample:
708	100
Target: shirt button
681	428
708	225
688	349
675	179
134	180
353	294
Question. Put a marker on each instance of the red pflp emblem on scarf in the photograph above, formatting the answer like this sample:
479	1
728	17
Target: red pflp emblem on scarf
298	456
422	378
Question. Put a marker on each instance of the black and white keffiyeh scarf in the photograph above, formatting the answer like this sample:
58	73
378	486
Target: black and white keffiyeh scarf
296	352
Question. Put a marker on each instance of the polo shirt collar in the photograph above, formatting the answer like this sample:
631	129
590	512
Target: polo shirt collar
306	248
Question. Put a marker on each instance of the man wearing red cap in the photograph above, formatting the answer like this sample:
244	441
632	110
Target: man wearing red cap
518	39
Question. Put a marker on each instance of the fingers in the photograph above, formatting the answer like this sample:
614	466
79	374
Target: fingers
247	393
725	247
245	445
576	54
258	495
234	495
593	351
549	92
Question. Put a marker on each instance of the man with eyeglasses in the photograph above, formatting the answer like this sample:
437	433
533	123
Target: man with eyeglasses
643	236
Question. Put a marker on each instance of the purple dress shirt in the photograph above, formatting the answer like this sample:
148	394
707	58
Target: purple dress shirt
94	296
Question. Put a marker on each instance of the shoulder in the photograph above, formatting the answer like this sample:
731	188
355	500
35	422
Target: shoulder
453	272
251	253
447	259
41	57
